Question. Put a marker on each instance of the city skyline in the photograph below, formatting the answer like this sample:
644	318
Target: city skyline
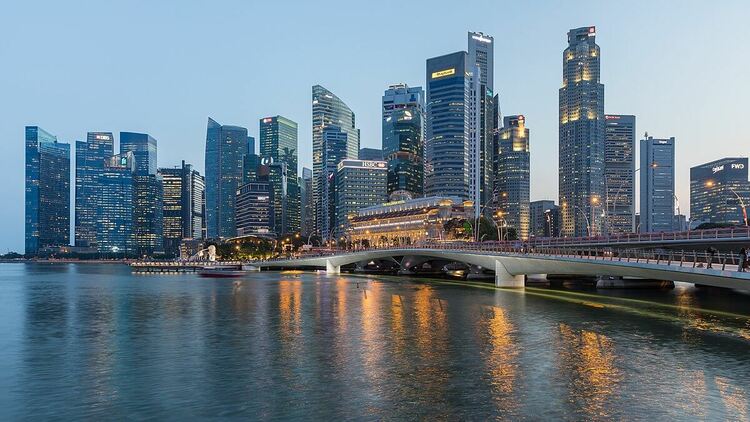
188	145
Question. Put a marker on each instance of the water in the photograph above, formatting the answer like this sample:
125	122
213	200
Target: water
95	342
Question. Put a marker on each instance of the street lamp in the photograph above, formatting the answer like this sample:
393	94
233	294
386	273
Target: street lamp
711	184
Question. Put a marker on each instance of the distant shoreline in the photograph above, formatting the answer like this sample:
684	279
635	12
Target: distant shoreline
63	261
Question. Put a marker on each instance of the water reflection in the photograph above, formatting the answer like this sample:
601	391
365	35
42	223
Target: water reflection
500	354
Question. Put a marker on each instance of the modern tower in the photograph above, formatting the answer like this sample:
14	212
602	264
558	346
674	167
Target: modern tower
47	191
481	63
447	126
183	204
115	200
619	174
512	182
306	198
720	192
403	141
359	184
541	221
226	147
335	142
90	158
581	154
657	185
278	144
254	210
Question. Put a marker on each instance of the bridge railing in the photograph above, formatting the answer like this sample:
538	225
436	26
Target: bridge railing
709	234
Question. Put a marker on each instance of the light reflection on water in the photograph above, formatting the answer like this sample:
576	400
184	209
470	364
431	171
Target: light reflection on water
96	342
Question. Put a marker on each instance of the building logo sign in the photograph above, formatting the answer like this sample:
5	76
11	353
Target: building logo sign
736	166
442	73
102	137
718	168
268	120
481	38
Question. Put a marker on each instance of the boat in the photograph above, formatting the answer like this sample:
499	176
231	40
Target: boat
221	271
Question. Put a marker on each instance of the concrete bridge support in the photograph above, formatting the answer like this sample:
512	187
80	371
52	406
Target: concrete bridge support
505	279
332	269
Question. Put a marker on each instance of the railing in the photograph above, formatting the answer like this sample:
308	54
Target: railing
710	234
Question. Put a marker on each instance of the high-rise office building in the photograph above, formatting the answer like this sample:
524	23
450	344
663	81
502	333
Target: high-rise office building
250	163
90	158
481	63
359	184
47	189
619	173
720	191
255	210
334	145
327	110
512	182
371	154
147	212
403	145
581	155
306	199
657	185
115	200
226	148
447	126
278	142
183	204
540	221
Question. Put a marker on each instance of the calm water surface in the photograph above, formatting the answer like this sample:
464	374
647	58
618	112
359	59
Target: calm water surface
95	342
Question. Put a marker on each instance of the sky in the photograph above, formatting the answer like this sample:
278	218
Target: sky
164	67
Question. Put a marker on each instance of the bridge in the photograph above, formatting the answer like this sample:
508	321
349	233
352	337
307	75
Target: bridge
731	238
512	265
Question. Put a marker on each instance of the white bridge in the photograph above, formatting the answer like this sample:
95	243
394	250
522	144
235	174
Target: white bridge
511	266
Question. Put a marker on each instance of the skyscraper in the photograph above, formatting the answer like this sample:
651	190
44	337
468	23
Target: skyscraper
447	126
327	110
334	150
183	204
619	173
512	181
403	141
481	62
254	210
278	142
115	200
541	218
226	147
359	184
581	170
720	191
47	191
371	154
306	198
147	184
90	158
657	185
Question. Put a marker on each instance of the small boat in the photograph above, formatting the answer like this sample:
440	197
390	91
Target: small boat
221	271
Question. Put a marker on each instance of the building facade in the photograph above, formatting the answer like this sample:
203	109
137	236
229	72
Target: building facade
537	221
619	173
278	142
226	148
359	184
447	126
255	210
720	191
481	63
329	110
403	140
657	185
47	191
91	156
183	205
371	154
512	182
115	199
581	154
306	199
334	151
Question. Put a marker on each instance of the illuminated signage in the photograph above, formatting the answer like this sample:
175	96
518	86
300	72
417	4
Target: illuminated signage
266	161
268	120
124	161
481	38
441	73
362	164
738	166
102	137
611	117
592	31
521	118
718	168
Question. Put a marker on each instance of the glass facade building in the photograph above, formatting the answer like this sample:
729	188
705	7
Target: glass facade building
447	126
657	185
541	218
226	148
334	150
372	154
720	191
403	141
90	158
482	119
278	142
183	204
581	154
254	210
359	184
306	198
115	199
47	191
327	110
512	181
619	173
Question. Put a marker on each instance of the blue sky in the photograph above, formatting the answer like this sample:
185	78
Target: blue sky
163	67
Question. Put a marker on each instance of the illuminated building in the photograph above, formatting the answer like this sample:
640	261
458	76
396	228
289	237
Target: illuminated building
405	222
483	119
278	143
581	154
335	149
115	197
306	199
718	191
403	120
538	224
250	162
47	191
657	185
329	110
512	184
619	173
90	158
359	184
226	148
183	204
255	210
447	126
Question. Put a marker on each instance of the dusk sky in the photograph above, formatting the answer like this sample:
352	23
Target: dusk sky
164	67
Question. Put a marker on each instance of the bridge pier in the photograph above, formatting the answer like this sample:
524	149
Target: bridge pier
507	280
332	269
